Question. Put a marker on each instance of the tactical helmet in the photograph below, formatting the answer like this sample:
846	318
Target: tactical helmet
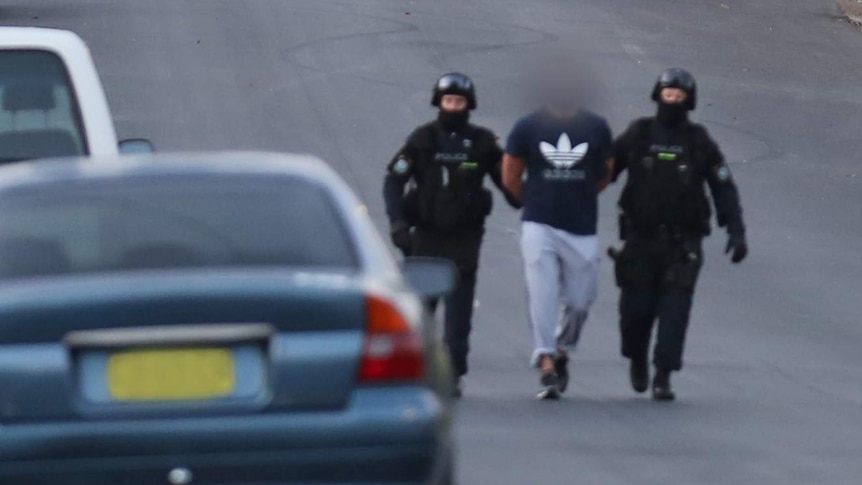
677	78
455	83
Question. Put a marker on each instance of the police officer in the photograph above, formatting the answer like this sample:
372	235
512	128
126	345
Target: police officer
664	215
442	212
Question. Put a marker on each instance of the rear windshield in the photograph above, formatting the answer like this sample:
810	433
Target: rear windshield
38	114
157	223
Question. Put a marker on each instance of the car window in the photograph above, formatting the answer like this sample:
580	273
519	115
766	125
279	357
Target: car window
169	223
38	111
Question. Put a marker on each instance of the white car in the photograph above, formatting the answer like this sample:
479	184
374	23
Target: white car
51	99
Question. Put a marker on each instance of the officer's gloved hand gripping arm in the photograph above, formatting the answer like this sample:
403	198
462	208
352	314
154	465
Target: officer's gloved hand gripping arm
398	174
726	199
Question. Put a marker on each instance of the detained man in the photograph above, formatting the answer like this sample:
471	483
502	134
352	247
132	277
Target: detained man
566	152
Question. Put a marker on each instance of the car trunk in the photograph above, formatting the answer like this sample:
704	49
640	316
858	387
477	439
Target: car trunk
176	343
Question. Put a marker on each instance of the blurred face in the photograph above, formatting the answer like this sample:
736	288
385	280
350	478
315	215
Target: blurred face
453	103
562	86
673	96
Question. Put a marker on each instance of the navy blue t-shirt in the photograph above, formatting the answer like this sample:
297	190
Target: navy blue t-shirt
565	162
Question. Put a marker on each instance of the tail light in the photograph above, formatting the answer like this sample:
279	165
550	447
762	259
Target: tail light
392	351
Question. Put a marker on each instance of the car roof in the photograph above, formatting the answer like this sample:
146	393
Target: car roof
49	171
88	91
37	37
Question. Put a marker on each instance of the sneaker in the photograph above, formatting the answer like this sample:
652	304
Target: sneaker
661	388
550	387
561	367
639	374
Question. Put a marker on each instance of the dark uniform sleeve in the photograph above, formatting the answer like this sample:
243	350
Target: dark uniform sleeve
622	147
606	151
399	171
725	195
494	164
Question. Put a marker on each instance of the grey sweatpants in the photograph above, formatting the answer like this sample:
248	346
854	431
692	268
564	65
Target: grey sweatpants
561	270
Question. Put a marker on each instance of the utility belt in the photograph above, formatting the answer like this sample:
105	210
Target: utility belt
448	210
628	229
665	255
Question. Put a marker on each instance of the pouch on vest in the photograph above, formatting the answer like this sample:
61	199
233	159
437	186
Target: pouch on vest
481	204
454	210
447	210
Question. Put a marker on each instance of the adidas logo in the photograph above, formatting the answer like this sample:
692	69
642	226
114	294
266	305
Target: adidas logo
563	156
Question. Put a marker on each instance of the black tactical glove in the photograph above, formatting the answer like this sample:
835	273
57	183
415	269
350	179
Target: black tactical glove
400	233
736	243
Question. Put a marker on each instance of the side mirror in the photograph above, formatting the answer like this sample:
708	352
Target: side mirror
136	145
430	277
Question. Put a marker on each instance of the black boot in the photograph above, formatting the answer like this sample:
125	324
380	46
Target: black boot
561	367
661	389
639	374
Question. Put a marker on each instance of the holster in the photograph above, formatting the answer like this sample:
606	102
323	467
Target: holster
623	267
624	226
684	266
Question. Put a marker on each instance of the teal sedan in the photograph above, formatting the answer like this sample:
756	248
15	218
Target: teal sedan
223	319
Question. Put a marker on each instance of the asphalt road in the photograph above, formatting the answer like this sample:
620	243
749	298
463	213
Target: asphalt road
772	390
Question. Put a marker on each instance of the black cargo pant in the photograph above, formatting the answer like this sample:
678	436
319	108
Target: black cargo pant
657	275
462	248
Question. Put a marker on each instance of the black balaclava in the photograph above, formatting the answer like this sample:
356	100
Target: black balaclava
672	114
453	121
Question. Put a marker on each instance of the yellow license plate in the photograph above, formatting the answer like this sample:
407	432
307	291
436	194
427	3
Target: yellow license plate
171	374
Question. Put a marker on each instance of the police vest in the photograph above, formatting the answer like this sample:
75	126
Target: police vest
449	174
665	185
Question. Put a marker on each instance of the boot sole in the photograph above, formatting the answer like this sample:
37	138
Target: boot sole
663	397
548	394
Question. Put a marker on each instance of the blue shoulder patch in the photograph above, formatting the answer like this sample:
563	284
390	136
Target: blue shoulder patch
401	166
